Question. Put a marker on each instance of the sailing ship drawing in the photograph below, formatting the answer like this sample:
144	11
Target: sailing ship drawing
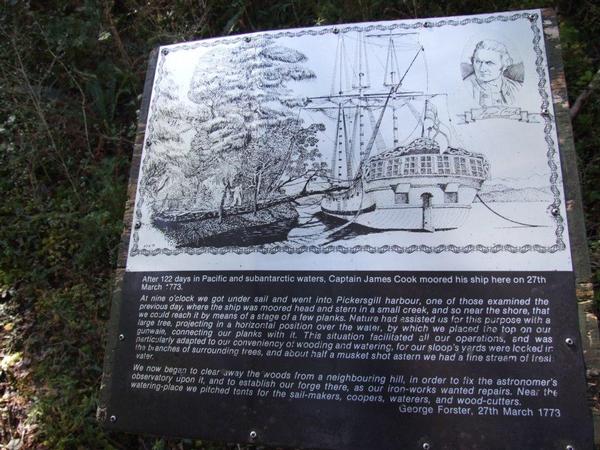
419	186
424	185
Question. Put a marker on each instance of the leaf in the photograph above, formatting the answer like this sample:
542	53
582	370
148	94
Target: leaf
104	35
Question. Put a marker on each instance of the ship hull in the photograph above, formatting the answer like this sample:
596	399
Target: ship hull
267	225
415	188
409	218
414	204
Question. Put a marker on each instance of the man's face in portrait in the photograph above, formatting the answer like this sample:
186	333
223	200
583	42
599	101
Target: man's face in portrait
488	65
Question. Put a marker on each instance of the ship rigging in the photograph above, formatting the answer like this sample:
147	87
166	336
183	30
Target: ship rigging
424	185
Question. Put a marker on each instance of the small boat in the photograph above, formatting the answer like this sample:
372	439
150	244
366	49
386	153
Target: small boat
268	224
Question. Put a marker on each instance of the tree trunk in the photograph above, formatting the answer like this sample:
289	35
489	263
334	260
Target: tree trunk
585	94
222	204
256	191
292	198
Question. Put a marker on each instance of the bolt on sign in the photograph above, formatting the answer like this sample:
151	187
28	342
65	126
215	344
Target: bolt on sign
351	237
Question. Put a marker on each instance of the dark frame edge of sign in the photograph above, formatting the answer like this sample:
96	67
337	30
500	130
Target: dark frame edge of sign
568	157
588	322
112	327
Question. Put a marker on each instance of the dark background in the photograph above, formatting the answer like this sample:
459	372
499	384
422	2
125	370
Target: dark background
349	425
71	78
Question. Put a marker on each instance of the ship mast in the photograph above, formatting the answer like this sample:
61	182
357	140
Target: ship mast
392	92
337	149
391	68
391	72
342	146
355	96
361	82
423	120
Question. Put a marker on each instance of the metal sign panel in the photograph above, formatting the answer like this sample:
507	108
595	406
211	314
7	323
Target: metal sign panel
351	237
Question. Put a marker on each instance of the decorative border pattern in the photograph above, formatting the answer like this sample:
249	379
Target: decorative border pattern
548	118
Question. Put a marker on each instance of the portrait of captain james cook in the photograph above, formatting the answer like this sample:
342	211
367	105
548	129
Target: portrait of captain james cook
491	76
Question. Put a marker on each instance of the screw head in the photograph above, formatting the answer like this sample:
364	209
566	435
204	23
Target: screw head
569	341
545	111
121	337
569	447
247	39
113	419
426	446
253	435
138	225
165	51
336	31
428	25
555	211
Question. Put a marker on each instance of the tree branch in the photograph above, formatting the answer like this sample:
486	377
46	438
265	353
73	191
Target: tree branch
77	85
35	100
108	6
304	189
585	95
292	179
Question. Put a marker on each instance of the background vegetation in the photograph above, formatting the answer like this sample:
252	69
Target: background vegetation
71	77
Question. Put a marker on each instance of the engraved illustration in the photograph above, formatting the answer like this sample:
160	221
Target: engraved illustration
491	76
424	184
253	157
343	142
494	79
247	145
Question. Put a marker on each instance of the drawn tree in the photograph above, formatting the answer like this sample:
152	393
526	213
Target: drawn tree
165	174
248	131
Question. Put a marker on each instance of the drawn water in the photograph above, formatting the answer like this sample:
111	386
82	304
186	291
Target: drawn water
316	228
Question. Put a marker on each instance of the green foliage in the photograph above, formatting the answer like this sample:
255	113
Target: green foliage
71	75
580	29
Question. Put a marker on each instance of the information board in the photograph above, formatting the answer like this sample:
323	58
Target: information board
351	237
